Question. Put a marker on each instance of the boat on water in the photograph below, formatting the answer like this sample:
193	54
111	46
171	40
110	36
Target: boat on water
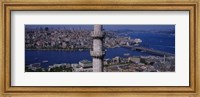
126	54
136	44
80	49
45	61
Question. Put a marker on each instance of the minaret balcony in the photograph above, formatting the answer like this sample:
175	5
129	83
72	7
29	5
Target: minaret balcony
97	34
97	54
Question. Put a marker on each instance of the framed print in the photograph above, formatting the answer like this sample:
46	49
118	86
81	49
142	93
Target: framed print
99	48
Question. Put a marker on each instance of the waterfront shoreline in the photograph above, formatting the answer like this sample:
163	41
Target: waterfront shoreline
137	63
54	50
85	49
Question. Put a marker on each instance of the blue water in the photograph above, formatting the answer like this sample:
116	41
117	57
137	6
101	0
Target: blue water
162	42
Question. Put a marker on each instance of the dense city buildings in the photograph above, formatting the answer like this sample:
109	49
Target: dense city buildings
116	64
70	39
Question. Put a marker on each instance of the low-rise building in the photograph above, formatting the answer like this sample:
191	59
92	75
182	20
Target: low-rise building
134	59
85	64
116	60
107	61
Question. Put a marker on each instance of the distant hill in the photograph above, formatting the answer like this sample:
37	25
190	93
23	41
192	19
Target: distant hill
146	31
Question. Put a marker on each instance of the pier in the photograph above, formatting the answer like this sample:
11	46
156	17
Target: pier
151	51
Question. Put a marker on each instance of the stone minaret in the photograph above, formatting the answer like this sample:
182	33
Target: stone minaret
97	53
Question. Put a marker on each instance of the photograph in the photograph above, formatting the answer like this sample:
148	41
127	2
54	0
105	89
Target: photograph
99	48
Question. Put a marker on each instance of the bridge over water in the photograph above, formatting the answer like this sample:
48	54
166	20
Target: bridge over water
151	51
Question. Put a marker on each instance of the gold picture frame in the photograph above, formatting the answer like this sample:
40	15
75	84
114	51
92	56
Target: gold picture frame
123	5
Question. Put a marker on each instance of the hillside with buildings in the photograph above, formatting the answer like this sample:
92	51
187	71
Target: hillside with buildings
69	39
